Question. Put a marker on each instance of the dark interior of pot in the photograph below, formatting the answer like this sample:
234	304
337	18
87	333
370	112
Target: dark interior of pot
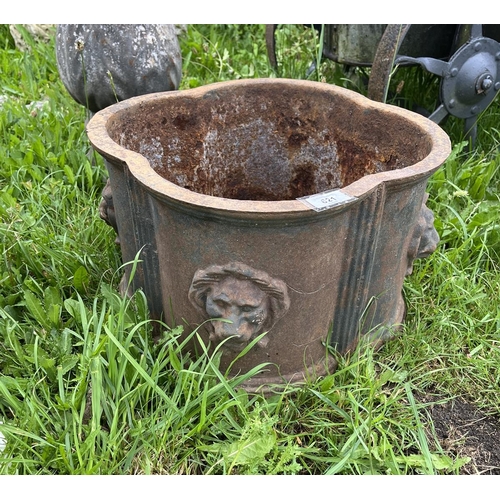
267	142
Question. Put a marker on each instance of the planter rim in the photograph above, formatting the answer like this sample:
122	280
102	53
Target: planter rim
168	191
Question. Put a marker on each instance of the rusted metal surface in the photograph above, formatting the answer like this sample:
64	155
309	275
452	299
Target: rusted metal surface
206	184
383	62
271	44
352	44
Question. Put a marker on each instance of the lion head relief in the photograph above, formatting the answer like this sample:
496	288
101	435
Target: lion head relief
250	300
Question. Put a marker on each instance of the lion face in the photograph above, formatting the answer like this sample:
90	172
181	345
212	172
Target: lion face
243	305
248	300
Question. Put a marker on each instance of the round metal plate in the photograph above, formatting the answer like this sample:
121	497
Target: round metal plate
474	66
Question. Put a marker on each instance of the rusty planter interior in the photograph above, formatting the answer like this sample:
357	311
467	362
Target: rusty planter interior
215	187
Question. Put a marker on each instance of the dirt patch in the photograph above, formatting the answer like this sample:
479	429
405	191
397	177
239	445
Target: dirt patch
465	431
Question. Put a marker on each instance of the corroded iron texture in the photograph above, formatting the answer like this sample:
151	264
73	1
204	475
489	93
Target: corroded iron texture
206	186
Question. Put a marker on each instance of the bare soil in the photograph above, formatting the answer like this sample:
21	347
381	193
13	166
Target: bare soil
464	430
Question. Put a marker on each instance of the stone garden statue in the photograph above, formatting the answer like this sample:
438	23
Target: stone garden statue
101	64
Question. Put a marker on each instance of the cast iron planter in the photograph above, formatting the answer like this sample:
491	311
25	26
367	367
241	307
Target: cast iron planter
289	207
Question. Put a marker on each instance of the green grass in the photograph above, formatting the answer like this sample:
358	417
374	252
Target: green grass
84	389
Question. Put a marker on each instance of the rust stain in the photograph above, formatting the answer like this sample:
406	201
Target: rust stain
258	146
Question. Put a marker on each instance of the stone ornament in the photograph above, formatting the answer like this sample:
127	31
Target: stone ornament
101	64
249	300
